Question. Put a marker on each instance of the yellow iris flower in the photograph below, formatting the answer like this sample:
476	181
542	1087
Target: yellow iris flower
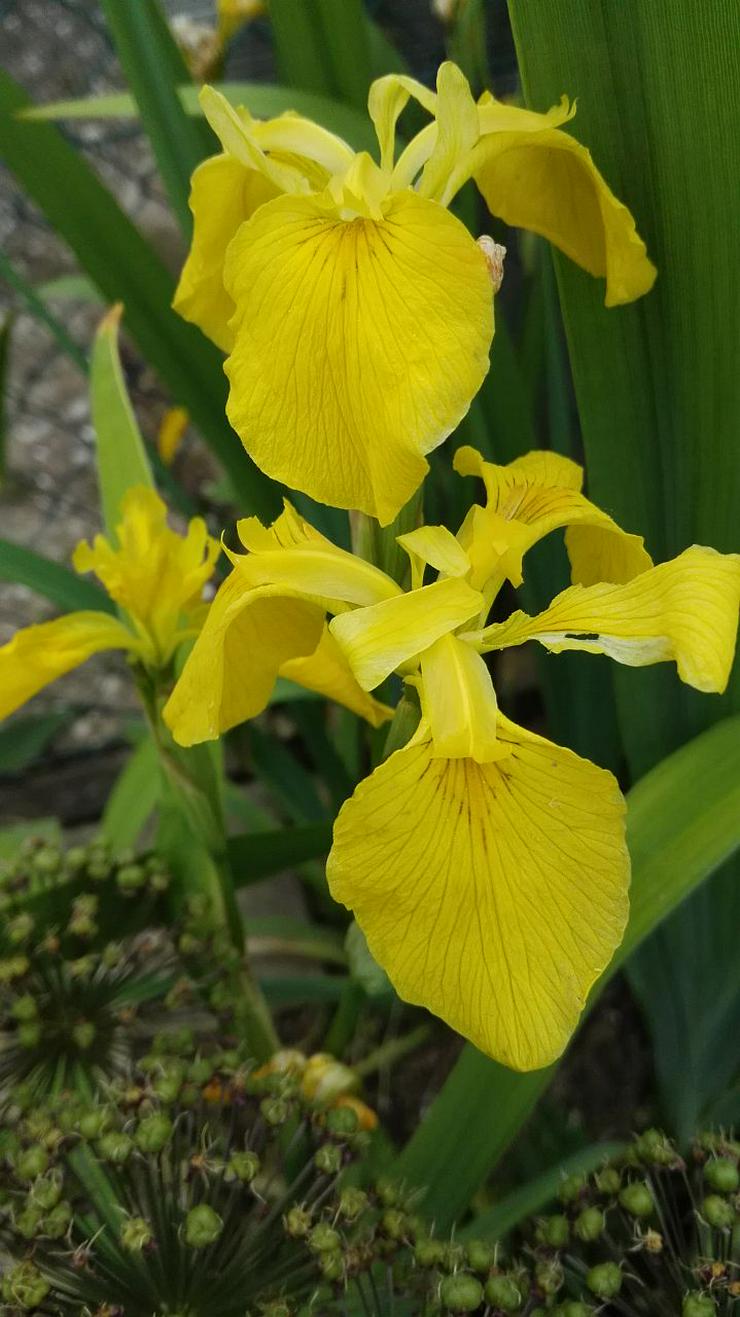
356	310
154	575
486	866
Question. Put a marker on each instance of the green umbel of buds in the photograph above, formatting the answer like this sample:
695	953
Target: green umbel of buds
203	1226
461	1292
721	1174
503	1293
605	1280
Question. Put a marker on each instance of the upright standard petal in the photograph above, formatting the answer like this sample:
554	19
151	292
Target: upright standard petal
223	194
37	655
541	492
228	677
541	178
685	610
494	894
359	344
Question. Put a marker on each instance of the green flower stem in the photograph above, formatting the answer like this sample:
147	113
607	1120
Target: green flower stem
388	1053
192	790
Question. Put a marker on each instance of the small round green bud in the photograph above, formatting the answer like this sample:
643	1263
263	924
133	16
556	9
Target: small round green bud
608	1181
352	1202
115	1147
112	955
136	1234
549	1277
75	859
571	1187
589	1224
328	1159
95	1122
604	1280
574	1308
24	1286
553	1231
168	1083
130	878
481	1256
83	968
57	1223
637	1199
275	1110
428	1253
717	1212
28	1221
698	1305
503	1293
200	1070
24	1008
721	1174
297	1222
19	929
461	1293
393	1223
654	1148
324	1239
341	1122
453	1256
83	1035
32	1162
13	967
29	1033
389	1192
331	1266
47	1190
153	1132
243	1165
203	1226
98	869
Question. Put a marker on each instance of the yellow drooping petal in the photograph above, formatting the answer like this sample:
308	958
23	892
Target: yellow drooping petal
541	178
493	894
37	655
293	553
328	672
249	634
224	193
359	344
685	610
434	546
155	575
378	639
459	702
541	493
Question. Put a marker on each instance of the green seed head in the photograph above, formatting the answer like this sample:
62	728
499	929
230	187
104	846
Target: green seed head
637	1199
153	1132
243	1166
605	1280
608	1181
324	1239
32	1162
28	1221
24	1008
461	1292
58	1221
481	1256
571	1187
718	1212
698	1305
202	1226
428	1253
297	1222
83	1035
654	1148
589	1224
328	1159
352	1202
549	1277
553	1231
115	1147
502	1292
721	1174
130	878
341	1122
136	1234
331	1266
47	1190
25	1286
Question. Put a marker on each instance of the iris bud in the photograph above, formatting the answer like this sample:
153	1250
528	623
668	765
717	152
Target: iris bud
461	1292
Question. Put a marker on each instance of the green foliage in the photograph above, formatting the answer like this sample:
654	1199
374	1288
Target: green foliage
121	457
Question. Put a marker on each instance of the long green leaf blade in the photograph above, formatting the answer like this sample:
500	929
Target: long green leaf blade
683	821
121	457
154	69
259	854
69	592
125	269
